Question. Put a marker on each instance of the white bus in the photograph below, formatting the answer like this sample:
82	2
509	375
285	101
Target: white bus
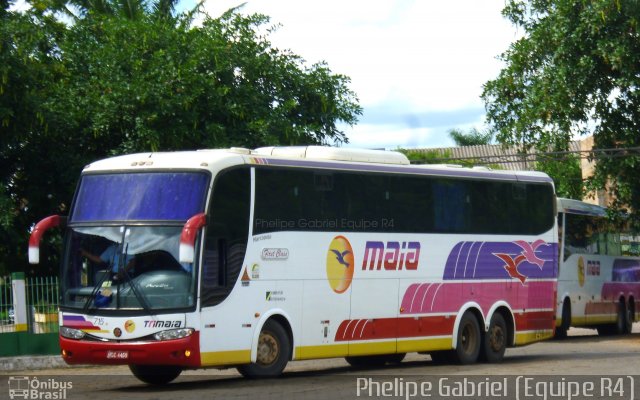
252	258
599	276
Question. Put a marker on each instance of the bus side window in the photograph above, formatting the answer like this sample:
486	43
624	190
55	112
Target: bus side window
227	234
451	206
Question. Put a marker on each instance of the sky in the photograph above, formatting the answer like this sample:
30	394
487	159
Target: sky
416	66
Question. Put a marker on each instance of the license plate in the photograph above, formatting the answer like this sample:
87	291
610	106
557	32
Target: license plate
117	354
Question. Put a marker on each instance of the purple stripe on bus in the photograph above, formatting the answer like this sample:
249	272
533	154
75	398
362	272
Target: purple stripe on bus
481	260
626	270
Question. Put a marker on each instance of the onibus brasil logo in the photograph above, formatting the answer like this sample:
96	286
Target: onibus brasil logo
24	387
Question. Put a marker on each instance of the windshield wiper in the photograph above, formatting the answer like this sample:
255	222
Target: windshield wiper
134	285
97	288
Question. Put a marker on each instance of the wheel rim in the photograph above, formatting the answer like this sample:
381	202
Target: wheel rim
268	349
468	339
496	338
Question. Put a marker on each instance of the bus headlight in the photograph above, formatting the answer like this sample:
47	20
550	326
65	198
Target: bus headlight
71	333
173	334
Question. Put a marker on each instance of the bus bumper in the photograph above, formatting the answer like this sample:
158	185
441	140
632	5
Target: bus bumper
183	352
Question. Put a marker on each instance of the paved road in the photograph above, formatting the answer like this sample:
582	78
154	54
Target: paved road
584	353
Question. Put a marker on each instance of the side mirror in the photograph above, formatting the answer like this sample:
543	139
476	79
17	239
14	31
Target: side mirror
188	237
37	233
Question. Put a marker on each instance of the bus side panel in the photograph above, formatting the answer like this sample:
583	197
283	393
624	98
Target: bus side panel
432	329
323	312
367	333
227	329
225	341
625	281
600	305
571	282
582	279
489	273
296	269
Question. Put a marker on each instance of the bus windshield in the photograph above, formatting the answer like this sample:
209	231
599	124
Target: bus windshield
126	267
123	241
142	196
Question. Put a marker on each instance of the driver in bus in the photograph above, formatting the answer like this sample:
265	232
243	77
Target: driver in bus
110	257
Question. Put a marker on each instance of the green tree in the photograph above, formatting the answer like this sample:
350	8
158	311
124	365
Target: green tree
576	70
473	138
112	82
566	174
426	156
31	177
177	86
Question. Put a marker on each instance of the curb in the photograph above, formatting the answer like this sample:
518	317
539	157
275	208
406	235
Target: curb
22	363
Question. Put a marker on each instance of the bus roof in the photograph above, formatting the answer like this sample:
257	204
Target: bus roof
335	154
323	157
580	207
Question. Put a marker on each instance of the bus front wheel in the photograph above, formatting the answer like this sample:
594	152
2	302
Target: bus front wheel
565	322
155	374
274	351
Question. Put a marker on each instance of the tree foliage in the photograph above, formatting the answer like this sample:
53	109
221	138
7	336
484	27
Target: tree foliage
576	70
426	157
473	138
125	77
566	175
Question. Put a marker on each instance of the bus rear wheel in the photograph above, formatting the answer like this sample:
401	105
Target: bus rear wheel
274	351
494	342
469	340
155	374
630	316
620	326
621	319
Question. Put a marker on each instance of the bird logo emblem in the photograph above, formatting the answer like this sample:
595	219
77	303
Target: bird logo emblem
529	251
511	265
340	256
527	254
340	264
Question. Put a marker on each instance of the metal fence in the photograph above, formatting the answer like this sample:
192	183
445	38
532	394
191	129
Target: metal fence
42	304
6	305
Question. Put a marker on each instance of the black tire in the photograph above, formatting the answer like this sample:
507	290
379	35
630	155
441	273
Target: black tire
630	316
605	330
155	374
375	361
442	357
621	319
395	358
565	322
365	361
469	340
494	342
274	352
617	327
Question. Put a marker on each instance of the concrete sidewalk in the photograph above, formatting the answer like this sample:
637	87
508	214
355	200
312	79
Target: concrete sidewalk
22	363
